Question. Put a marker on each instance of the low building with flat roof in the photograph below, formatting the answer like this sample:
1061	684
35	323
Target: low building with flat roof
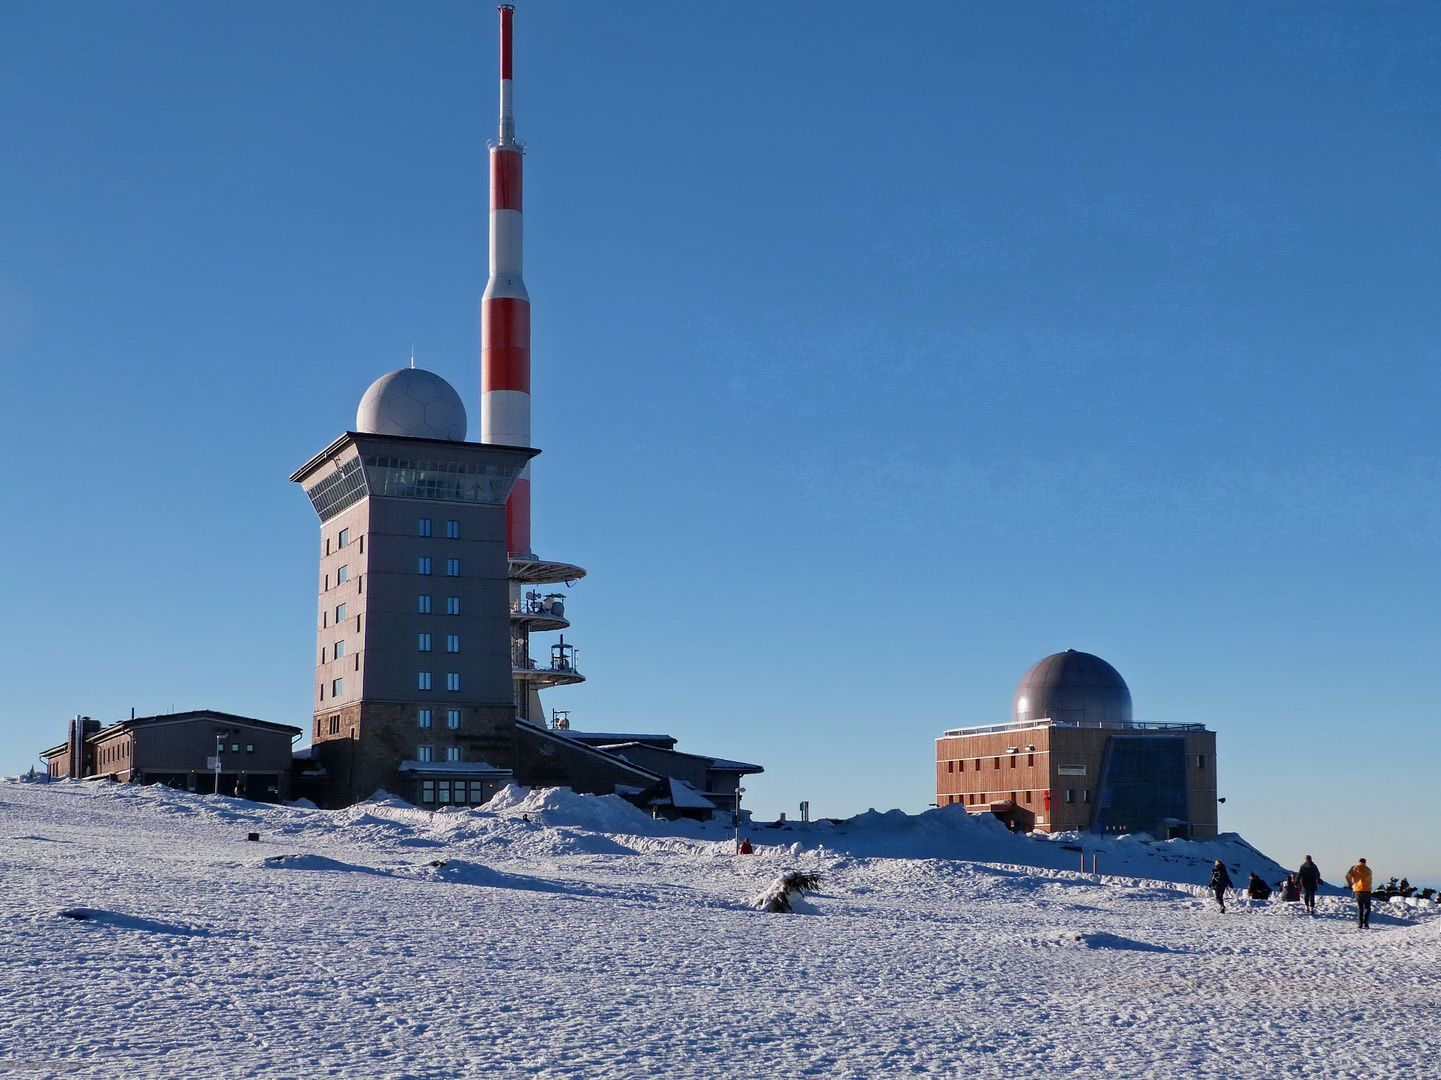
201	751
1074	759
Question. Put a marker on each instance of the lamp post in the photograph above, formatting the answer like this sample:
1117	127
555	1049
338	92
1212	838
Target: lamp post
739	792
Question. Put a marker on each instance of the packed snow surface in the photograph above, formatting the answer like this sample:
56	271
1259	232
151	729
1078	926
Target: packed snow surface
143	935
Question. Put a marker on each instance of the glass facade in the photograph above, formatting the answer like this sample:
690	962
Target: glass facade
1143	786
339	491
406	478
449	481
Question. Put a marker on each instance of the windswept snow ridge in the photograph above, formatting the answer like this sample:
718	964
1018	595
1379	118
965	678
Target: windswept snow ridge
592	941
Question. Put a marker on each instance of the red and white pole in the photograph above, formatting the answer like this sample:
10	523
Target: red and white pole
505	307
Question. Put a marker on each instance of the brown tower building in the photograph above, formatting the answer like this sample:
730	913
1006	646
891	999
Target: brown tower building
1072	758
413	685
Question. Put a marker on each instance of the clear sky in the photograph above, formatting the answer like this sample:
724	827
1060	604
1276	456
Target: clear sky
879	352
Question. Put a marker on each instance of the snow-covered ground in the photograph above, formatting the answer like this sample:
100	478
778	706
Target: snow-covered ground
384	941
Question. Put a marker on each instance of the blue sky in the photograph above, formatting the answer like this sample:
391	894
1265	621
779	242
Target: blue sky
879	352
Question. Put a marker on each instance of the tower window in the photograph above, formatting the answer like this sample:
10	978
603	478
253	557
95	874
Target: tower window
452	643
333	724
1030	759
452	718
344	537
424	680
996	763
452	680
452	530
425	753
1085	794
339	649
424	605
1200	761
950	766
1070	794
423	528
1013	762
423	645
422	718
337	687
452	753
452	568
342	575
452	605
339	614
423	565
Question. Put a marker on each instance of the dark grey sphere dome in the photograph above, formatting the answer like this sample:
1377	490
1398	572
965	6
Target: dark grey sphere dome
1072	685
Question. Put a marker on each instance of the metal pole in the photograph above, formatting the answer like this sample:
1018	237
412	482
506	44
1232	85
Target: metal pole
219	746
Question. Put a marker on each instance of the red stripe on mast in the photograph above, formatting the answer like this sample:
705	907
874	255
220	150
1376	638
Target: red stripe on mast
507	16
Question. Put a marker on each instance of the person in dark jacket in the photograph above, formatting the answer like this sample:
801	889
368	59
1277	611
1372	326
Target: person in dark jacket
1310	875
1220	882
1257	889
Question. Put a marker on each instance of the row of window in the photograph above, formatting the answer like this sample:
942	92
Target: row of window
427	753
960	765
452	529
343	540
452	566
452	718
342	575
452	643
447	791
339	617
452	604
452	680
983	797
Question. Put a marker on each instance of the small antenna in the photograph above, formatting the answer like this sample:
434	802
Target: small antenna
412	358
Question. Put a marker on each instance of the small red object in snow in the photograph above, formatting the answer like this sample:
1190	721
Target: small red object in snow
745	848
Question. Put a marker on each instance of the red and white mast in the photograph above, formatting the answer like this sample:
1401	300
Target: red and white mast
505	307
505	413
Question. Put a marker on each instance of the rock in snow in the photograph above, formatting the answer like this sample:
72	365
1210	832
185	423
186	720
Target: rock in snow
143	936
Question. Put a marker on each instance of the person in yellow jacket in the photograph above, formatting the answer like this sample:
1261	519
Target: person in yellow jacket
1359	878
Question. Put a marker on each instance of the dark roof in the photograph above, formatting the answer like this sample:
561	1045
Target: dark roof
719	764
615	738
558	736
194	715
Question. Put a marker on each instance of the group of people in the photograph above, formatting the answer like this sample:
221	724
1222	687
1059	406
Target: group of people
1301	885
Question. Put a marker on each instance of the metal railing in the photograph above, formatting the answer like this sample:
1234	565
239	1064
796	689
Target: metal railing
1113	725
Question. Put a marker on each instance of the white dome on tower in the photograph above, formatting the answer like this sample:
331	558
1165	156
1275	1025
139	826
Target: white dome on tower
412	402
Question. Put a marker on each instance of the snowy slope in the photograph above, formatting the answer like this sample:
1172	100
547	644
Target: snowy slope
384	941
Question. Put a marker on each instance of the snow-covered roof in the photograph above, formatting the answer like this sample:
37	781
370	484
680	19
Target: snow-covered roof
682	795
451	767
726	765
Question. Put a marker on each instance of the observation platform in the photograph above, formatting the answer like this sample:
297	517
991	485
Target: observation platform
543	572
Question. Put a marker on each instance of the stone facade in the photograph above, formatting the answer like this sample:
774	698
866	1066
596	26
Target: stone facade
413	658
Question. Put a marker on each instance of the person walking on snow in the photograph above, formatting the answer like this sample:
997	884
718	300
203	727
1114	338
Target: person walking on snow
1220	881
1310	875
1359	878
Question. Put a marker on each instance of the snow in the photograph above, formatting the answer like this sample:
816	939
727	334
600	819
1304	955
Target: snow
593	941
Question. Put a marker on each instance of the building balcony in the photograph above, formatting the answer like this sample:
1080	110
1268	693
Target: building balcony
538	613
543	572
561	671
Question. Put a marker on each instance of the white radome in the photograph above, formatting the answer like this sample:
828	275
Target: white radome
412	402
